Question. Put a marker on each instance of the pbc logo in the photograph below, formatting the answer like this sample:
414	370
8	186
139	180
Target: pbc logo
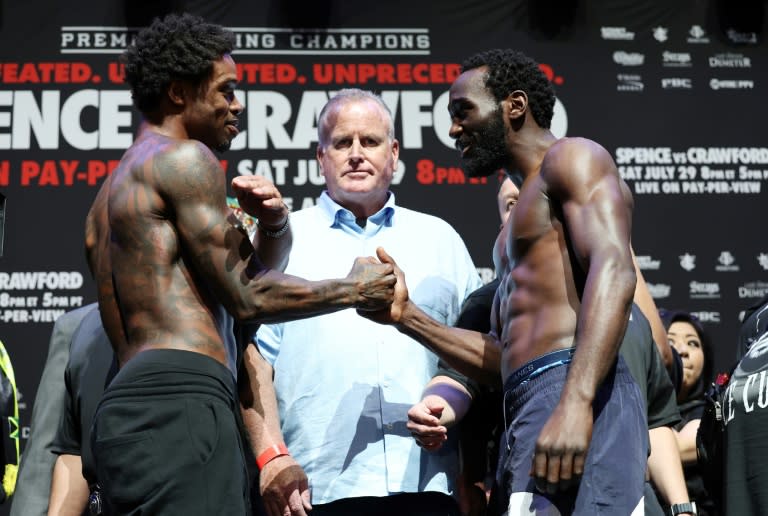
680	83
712	317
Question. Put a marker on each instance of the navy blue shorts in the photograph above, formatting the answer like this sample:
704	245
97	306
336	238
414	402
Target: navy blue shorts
614	472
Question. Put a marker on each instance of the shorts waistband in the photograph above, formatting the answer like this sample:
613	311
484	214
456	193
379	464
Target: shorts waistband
538	365
155	371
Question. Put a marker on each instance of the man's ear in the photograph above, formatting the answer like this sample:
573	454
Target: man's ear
515	106
395	151
177	93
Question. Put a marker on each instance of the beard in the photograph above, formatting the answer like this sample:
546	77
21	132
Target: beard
489	150
223	146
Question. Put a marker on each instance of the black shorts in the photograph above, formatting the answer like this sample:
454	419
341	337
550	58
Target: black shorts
165	438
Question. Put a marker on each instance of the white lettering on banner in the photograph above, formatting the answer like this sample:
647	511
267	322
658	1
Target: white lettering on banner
46	119
755	289
647	263
695	170
307	171
729	60
42	306
268	40
38	280
30	316
677	59
620	33
700	290
659	290
683	83
713	317
267	125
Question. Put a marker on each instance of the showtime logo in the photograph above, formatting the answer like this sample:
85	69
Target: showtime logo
731	84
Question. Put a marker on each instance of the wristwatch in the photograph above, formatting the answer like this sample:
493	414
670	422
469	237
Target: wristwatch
683	508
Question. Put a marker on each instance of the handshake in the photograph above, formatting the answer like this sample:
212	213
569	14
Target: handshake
380	287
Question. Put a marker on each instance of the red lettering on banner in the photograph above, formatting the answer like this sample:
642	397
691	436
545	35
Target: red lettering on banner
65	172
385	73
61	73
5	168
116	73
427	173
266	73
550	73
98	169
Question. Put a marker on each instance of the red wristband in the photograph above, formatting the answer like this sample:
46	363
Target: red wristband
274	451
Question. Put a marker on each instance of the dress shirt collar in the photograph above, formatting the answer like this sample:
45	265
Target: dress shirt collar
338	216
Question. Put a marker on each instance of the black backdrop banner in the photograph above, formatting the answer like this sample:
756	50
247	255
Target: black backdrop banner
674	90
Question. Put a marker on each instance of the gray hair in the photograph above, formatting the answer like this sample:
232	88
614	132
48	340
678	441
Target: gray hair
350	95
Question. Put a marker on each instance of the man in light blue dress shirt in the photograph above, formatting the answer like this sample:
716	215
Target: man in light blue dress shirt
344	384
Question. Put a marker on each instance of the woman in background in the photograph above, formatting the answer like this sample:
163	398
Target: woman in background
686	334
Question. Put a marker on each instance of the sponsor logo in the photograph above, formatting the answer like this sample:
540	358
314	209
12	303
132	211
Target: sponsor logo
268	40
660	34
677	59
726	262
629	82
616	33
697	35
647	263
731	84
702	290
628	58
762	259
741	38
753	289
729	60
679	83
688	261
710	317
659	290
